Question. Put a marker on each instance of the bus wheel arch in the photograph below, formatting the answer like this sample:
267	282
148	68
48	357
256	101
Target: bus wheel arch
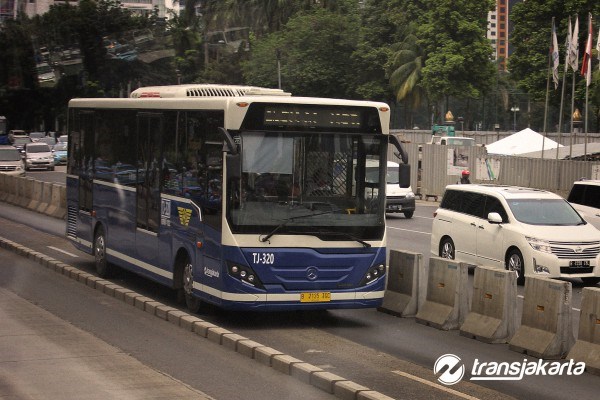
183	281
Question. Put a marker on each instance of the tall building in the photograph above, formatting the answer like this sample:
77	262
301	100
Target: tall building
499	30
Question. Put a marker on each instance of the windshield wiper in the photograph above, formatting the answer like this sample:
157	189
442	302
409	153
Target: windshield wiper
285	221
366	245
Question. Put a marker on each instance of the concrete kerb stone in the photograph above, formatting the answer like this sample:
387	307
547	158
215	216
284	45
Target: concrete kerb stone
216	334
493	317
298	369
546	323
283	363
587	346
447	295
230	340
265	354
402	296
347	390
247	347
325	380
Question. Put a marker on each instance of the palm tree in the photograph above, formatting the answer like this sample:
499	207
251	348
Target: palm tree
406	64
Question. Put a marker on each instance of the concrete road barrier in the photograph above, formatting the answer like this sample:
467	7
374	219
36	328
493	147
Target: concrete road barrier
447	296
11	188
25	192
493	317
402	295
546	324
57	206
46	198
3	187
36	195
587	346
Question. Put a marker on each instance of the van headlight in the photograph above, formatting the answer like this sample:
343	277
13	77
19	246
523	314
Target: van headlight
539	244
410	195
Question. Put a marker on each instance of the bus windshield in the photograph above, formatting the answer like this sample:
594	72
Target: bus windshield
308	183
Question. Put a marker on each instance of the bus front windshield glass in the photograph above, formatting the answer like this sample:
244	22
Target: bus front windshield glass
326	185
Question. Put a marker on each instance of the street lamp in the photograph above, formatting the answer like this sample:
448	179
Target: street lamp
515	110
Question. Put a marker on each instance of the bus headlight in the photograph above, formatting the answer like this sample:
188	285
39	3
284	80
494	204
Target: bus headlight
373	274
244	274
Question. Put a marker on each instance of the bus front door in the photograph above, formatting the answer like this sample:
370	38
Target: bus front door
150	128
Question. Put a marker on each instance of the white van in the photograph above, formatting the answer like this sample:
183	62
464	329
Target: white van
11	162
585	198
532	232
397	199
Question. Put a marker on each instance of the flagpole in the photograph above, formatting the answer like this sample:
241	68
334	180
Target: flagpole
547	90
574	59
564	85
588	70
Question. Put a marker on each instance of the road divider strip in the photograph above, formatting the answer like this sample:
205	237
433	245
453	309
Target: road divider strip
315	376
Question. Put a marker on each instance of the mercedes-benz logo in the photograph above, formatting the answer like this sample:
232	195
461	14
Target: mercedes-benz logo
312	273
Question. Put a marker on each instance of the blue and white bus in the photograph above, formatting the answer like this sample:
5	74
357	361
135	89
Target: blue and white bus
244	197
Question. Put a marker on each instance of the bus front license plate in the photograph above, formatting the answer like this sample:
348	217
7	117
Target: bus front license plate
315	297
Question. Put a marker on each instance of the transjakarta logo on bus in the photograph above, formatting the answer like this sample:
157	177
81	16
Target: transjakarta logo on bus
450	369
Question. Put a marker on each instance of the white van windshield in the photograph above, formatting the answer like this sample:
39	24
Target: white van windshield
544	212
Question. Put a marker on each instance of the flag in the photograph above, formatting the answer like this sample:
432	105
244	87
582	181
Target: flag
598	48
586	69
568	47
555	60
574	47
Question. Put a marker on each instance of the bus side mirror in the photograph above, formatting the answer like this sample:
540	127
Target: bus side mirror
404	175
229	142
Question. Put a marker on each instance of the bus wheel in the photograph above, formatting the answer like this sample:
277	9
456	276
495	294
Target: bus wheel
192	302
103	268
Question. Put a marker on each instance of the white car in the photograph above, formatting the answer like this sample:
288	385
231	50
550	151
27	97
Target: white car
532	232
38	156
10	161
585	198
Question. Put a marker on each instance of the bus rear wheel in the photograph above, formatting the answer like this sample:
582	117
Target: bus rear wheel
192	302
103	267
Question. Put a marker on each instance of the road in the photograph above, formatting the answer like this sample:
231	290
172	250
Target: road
377	350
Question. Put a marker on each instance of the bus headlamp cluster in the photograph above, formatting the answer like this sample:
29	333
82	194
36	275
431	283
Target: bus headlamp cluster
244	274
374	273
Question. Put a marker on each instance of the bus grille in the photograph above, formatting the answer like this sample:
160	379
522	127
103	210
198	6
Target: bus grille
72	221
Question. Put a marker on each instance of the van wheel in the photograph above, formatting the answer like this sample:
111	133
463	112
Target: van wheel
590	281
514	262
409	214
447	249
192	302
103	268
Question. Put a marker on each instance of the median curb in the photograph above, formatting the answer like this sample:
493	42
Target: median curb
288	365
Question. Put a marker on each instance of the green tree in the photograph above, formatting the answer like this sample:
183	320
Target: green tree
315	49
458	54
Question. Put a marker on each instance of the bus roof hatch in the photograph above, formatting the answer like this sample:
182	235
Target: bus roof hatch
203	90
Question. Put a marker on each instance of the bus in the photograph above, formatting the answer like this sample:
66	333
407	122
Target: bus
243	197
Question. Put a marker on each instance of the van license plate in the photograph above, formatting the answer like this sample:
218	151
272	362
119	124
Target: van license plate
315	297
579	264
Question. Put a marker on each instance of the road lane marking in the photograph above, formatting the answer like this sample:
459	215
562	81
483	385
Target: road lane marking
63	251
435	385
409	230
